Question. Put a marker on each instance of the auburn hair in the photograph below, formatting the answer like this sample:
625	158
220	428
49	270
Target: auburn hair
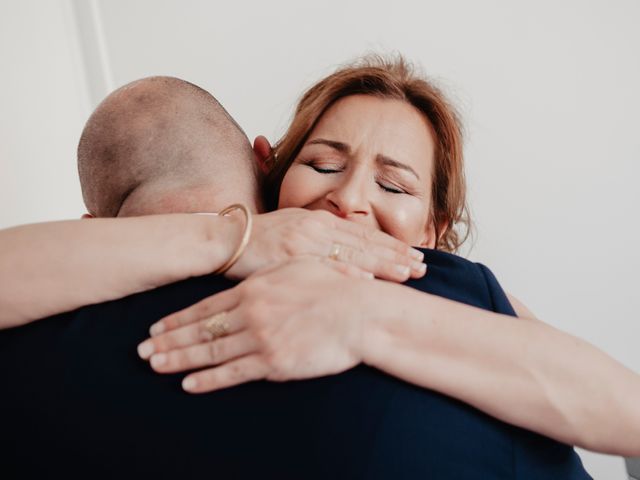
392	78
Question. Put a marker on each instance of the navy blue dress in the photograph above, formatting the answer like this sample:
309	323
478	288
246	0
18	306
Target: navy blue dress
77	402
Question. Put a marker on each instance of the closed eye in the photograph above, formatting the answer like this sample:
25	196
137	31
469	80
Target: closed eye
324	170
390	189
383	185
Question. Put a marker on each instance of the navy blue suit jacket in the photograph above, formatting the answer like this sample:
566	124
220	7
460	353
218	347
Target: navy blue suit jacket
77	401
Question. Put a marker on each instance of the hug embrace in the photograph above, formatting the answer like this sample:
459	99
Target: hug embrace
316	300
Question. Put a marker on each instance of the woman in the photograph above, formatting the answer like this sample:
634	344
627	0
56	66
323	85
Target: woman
378	146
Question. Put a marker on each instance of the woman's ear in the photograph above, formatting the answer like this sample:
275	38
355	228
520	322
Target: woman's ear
262	150
432	235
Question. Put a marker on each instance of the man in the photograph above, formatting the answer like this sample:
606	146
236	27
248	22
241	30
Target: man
79	402
162	145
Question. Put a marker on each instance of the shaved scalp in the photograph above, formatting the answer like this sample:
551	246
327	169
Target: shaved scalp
159	134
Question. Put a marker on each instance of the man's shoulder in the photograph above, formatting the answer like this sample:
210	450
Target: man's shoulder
459	279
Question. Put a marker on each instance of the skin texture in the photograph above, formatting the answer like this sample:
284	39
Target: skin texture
346	167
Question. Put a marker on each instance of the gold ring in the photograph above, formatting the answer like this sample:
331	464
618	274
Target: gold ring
217	326
335	252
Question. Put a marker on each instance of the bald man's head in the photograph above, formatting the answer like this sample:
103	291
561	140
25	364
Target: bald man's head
161	145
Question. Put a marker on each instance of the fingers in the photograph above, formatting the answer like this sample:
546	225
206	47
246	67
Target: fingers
374	237
220	302
348	269
380	261
204	354
317	232
192	334
375	251
244	369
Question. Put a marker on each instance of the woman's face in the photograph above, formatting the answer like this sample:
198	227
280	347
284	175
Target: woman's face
368	160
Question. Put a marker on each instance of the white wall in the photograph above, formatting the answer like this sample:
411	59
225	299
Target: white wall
548	91
43	105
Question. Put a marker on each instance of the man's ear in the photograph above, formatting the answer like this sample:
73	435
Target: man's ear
262	150
87	215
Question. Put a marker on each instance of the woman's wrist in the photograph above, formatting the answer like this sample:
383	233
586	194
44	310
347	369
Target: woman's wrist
222	235
387	304
244	240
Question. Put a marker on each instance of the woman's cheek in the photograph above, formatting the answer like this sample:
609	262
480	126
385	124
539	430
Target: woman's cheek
291	195
405	222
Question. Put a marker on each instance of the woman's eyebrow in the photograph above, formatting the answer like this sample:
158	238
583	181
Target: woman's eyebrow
384	160
346	149
339	146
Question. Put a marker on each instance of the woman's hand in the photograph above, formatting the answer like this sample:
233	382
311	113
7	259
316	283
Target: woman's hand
279	328
288	233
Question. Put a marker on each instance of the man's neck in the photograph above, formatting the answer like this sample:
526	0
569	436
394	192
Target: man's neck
201	199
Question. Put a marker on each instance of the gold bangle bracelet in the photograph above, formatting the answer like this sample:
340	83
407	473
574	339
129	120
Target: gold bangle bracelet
245	236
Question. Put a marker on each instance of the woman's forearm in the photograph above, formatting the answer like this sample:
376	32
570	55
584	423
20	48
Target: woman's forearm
54	267
49	268
525	373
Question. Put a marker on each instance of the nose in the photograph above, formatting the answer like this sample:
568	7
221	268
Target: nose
349	198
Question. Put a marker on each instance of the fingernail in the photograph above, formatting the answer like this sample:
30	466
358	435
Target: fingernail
158	359
145	349
156	329
417	254
418	267
189	383
403	270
